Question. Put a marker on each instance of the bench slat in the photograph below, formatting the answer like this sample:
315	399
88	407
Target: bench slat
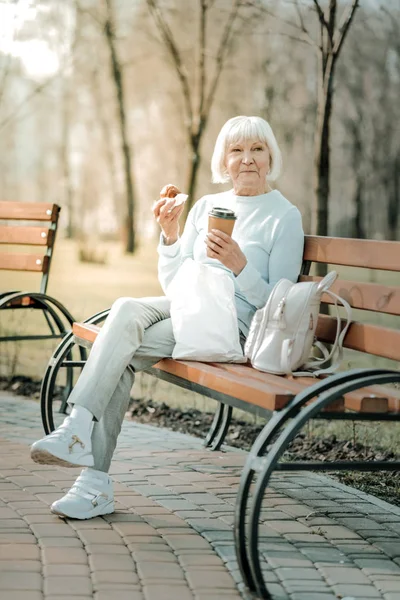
29	211
288	384
30	236
372	399
366	296
373	339
261	394
86	331
24	262
371	254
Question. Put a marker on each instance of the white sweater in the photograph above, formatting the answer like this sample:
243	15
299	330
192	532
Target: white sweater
269	232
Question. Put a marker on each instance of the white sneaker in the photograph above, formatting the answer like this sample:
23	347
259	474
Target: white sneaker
68	446
91	495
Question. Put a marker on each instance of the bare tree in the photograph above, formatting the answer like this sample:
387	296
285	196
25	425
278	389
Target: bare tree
330	44
198	99
118	78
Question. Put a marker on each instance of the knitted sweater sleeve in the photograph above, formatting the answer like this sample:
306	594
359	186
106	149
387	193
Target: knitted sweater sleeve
284	261
171	257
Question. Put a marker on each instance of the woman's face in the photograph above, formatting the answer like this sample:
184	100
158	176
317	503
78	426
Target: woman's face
248	163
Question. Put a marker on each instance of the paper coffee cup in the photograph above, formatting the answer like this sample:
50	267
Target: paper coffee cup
222	219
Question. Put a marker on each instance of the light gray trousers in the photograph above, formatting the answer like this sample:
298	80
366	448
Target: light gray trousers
136	333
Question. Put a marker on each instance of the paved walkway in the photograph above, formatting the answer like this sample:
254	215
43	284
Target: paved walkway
171	536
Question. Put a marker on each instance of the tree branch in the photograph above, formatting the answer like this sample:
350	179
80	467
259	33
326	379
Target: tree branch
290	37
303	27
168	39
263	9
223	47
344	28
321	14
300	15
332	20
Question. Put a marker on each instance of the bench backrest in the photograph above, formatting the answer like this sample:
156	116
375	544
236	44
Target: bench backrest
363	336
15	232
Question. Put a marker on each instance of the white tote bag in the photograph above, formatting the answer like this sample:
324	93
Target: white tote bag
203	314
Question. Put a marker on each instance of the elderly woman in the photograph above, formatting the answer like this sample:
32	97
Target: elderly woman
267	245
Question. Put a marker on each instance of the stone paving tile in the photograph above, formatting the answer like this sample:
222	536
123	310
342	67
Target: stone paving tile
171	537
154	591
71	586
24	581
24	595
66	570
63	597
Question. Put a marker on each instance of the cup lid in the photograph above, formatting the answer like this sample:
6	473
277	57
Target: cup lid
222	213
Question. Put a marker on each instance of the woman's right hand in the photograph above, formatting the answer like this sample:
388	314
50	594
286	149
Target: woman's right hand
167	216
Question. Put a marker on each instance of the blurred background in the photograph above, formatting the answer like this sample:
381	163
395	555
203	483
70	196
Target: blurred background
102	102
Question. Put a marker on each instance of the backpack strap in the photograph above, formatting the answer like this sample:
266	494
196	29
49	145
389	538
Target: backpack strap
337	348
326	282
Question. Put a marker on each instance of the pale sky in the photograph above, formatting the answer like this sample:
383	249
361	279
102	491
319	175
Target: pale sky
38	60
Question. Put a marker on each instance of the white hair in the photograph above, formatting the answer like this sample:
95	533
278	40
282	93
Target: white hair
240	129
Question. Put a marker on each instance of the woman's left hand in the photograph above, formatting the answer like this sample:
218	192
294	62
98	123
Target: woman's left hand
222	247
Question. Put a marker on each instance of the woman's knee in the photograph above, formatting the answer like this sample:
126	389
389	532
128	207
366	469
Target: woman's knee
125	308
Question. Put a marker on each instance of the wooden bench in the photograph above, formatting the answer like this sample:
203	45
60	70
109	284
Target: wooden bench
288	403
15	234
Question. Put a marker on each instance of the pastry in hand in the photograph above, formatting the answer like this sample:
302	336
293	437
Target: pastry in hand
171	191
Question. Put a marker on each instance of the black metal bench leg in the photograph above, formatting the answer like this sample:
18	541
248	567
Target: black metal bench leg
265	466
215	425
223	428
219	427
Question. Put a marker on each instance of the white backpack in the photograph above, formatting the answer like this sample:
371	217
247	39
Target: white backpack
282	333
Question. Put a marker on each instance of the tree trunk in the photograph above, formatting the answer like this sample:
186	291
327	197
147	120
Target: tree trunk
126	151
195	141
394	201
66	171
320	213
359	231
192	179
320	217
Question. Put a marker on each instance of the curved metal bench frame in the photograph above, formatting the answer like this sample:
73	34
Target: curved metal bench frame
329	390
47	304
56	362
